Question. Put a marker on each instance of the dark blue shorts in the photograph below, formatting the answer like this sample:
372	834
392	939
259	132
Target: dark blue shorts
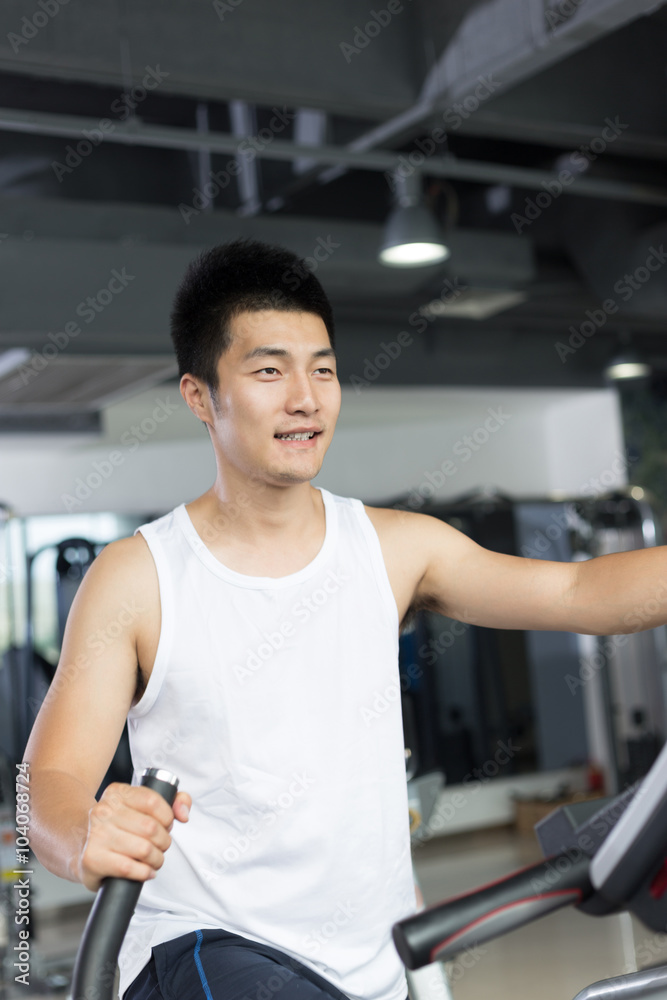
219	965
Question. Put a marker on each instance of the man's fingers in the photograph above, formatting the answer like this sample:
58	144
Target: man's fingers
182	806
129	833
122	853
117	796
139	825
111	865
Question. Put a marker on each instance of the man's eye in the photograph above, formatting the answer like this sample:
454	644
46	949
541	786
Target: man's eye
267	370
329	370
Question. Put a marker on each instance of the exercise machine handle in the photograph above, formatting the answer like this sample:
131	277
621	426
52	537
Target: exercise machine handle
95	967
446	929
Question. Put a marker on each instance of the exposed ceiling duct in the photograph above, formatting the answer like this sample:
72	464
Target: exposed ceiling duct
498	44
487	100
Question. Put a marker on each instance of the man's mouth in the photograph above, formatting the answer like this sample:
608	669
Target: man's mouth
301	436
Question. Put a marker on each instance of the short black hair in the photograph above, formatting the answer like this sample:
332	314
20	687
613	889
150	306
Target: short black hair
241	276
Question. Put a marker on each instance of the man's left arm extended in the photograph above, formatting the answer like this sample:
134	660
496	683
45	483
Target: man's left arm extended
619	593
622	592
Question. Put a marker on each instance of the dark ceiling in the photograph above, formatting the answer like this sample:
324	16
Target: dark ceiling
550	178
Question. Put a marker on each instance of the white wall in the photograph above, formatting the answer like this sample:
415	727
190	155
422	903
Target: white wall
389	441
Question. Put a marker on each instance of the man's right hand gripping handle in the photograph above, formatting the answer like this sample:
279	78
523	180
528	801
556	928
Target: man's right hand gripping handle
112	911
128	833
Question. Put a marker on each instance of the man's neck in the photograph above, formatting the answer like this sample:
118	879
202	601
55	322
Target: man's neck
258	516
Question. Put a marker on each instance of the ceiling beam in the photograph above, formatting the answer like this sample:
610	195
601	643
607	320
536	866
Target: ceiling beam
561	135
168	137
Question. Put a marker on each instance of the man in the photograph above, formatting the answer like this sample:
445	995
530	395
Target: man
247	634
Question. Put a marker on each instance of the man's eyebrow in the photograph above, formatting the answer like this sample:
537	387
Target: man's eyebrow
281	352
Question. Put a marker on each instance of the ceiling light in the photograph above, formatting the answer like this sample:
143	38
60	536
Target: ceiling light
12	359
473	303
412	235
626	365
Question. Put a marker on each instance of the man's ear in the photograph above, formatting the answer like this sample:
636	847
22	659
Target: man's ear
198	398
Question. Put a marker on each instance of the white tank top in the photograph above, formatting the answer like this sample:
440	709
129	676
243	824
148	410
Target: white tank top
277	703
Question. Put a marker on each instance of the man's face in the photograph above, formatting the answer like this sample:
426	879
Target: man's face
278	377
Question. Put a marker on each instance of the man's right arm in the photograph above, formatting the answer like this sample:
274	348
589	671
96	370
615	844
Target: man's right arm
80	723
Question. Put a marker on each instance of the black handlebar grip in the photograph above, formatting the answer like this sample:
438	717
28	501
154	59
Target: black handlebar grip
442	931
95	967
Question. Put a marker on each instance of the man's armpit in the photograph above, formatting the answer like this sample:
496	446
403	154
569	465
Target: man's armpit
424	603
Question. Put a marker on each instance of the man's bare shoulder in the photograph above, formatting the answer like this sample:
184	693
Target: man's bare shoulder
125	553
406	549
396	521
123	566
414	535
122	582
414	544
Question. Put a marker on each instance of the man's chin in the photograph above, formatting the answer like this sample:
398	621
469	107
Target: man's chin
292	477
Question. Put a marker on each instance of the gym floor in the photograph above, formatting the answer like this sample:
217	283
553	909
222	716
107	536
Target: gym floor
551	959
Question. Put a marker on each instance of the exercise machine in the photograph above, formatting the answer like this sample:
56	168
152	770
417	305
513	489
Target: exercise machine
600	858
95	968
94	975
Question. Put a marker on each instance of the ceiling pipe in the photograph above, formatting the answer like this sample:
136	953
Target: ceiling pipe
170	137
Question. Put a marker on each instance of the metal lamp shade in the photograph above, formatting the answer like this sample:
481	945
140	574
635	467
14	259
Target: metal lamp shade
412	238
